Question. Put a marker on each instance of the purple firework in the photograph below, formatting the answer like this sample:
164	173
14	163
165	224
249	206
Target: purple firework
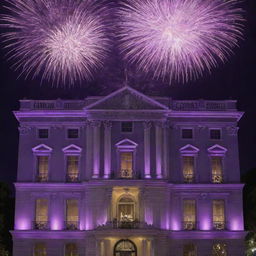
178	39
60	40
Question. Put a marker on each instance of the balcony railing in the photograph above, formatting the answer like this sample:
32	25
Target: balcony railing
218	179
42	178
219	225
126	174
188	178
189	225
72	177
41	225
71	225
115	224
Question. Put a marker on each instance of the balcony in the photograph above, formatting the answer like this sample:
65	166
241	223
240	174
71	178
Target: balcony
71	225
188	178
217	179
126	174
189	225
42	178
219	225
72	177
41	225
115	224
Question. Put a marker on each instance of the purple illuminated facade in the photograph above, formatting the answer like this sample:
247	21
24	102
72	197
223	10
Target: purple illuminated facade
128	175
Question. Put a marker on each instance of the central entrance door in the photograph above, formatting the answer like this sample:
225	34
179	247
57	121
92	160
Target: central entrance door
125	247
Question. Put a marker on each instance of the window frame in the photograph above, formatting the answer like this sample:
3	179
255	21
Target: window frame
187	128
38	132
213	129
121	130
73	128
196	212
225	211
79	210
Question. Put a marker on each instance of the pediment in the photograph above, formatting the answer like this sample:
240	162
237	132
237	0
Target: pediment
124	99
42	148
217	149
72	149
190	149
126	143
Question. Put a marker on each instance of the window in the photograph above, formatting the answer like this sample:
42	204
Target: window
189	214
72	216
71	249
73	133
189	250
126	164
43	133
188	169
39	249
215	134
125	248
219	249
187	133
126	126
72	168
41	218
217	169
42	168
218	214
126	209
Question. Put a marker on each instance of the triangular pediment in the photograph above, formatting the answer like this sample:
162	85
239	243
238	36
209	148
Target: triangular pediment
217	149
72	149
126	143
189	149
126	98
42	148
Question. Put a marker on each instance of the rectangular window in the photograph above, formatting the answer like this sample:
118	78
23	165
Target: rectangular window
188	169
219	249
126	164
72	214
42	168
218	213
189	250
71	249
189	214
73	133
215	134
41	218
39	249
217	169
127	126
187	133
43	133
72	168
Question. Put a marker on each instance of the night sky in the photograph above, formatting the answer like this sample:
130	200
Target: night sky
236	79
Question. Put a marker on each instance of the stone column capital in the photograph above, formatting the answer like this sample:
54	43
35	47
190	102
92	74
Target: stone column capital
95	123
107	124
147	125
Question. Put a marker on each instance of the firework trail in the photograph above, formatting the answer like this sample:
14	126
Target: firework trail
178	39
62	41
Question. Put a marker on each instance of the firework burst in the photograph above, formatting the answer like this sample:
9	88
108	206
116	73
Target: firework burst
178	39
63	41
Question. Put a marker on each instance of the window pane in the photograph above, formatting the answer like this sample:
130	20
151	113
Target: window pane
126	126
217	172
71	249
189	214
72	168
73	133
189	250
43	133
215	134
40	249
72	214
188	168
41	210
219	249
42	168
126	164
219	214
187	133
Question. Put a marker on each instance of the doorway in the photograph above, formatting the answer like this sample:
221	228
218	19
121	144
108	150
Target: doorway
125	247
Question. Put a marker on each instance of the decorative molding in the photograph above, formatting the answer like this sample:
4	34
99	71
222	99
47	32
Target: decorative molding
71	149
42	148
95	123
147	125
107	124
217	150
189	149
24	130
126	143
232	130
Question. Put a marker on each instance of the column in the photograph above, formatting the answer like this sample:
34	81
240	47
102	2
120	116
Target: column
144	247
147	126
158	127
165	149
96	149
107	149
89	150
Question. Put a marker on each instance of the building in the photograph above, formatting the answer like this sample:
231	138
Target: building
128	175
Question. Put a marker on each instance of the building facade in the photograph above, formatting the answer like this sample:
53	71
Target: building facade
128	175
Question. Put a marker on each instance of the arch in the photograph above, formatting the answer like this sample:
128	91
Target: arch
126	209
125	247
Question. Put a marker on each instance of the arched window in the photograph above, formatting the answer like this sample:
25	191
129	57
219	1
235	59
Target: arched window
125	248
219	249
71	249
126	209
